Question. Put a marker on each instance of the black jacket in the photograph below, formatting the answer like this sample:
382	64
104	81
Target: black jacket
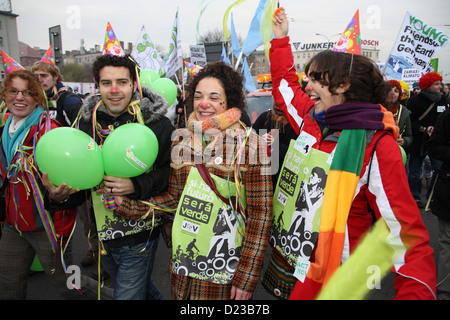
67	106
418	104
439	148
153	107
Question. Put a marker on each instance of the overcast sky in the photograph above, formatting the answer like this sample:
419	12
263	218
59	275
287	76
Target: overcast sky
86	19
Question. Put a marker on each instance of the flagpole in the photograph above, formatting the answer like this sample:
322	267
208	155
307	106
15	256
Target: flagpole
183	96
238	60
392	49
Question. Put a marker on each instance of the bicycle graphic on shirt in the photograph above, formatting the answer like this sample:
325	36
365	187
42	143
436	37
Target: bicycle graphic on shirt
221	260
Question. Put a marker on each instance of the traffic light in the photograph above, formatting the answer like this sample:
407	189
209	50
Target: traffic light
56	42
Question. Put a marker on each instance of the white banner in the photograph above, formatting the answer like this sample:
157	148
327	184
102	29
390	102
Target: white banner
173	61
146	55
415	46
81	87
198	55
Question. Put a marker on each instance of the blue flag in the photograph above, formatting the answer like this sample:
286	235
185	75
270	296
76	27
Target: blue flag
235	46
224	57
254	39
249	84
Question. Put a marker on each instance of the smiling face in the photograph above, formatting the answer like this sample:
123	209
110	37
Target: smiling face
322	95
116	89
18	99
209	99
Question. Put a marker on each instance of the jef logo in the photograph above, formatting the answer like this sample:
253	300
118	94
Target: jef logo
190	227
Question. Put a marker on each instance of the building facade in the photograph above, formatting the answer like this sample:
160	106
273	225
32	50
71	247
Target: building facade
303	52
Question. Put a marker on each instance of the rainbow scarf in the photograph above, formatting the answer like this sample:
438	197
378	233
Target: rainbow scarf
353	119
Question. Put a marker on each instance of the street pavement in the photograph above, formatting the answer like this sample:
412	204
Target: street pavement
39	287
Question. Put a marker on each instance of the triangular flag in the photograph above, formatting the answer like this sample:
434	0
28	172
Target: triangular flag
235	46
254	39
350	41
225	58
145	54
112	45
49	57
173	60
249	84
192	68
9	64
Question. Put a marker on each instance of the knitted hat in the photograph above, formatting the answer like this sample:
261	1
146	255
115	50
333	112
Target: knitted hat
9	64
428	79
48	57
112	45
395	83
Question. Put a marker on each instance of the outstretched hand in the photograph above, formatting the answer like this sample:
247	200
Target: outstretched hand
280	24
58	194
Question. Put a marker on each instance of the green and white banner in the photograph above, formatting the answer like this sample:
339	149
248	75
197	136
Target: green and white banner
207	233
298	199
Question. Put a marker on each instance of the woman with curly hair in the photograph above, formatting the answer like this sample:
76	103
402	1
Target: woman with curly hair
220	151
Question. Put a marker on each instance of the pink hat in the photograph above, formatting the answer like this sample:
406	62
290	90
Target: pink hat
9	64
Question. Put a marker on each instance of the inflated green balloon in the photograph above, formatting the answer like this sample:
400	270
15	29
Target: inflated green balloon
129	151
167	89
69	155
403	154
148	76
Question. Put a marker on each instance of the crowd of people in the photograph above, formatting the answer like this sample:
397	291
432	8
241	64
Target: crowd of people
211	190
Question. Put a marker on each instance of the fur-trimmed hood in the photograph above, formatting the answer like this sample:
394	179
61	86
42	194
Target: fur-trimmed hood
153	105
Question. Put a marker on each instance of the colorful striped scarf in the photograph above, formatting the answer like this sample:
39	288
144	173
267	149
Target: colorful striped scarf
353	119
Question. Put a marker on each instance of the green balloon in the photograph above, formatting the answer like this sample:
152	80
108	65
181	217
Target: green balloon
403	154
148	77
69	155
129	151
167	89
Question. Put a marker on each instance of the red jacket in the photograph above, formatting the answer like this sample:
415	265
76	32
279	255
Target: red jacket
387	193
26	217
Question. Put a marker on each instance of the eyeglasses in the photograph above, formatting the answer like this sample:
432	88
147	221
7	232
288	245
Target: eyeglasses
14	92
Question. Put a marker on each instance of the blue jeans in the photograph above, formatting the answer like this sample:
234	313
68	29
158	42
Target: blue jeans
131	268
415	169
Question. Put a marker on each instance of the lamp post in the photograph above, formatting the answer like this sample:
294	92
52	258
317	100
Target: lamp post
328	38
